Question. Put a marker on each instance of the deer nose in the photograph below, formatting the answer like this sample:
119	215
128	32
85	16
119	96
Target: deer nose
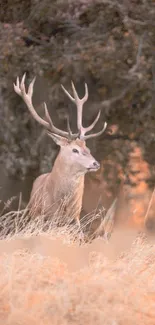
96	164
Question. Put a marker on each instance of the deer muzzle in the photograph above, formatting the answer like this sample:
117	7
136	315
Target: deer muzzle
95	166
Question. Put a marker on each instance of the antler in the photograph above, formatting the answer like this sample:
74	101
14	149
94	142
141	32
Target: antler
19	88
79	104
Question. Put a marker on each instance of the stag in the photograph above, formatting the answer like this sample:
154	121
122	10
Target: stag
65	183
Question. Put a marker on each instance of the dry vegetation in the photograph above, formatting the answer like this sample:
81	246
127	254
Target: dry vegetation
44	281
46	277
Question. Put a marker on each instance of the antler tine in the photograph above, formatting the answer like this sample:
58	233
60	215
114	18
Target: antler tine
94	135
48	115
16	87
79	104
30	88
22	84
69	129
68	94
77	99
55	129
91	126
72	135
19	88
83	130
27	97
68	126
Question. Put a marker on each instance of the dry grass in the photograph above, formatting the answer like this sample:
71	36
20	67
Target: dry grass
20	223
47	278
38	288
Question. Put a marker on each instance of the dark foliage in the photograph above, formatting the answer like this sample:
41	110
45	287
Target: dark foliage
109	44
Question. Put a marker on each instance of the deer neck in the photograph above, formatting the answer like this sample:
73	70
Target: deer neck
66	179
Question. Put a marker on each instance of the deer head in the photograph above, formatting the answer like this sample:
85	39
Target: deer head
73	150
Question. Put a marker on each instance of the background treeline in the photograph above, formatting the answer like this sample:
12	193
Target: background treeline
110	44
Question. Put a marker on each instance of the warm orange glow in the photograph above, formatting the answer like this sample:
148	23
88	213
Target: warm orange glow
132	189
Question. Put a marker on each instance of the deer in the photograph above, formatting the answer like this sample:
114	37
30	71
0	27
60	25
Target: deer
65	182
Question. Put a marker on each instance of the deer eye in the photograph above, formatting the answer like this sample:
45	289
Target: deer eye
75	150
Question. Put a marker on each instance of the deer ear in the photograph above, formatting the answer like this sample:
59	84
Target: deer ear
58	139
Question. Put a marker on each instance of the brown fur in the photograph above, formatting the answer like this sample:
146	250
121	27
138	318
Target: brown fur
63	184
